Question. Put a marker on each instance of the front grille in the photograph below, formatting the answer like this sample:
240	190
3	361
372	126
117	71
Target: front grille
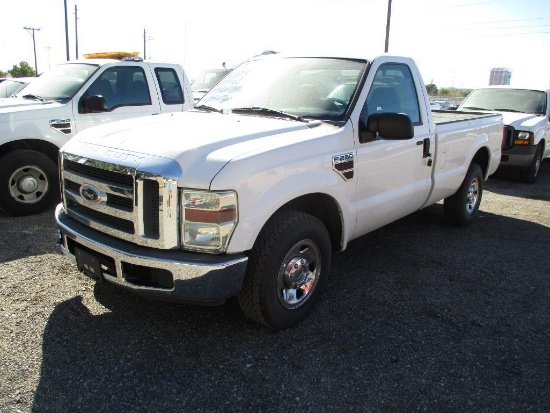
97	173
508	137
90	214
124	202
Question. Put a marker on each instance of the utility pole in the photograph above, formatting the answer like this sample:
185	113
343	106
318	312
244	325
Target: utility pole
76	29
66	31
387	46
33	29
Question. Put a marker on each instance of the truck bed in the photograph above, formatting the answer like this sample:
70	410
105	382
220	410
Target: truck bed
448	116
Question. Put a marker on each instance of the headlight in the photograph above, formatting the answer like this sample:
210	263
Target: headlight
524	138
208	220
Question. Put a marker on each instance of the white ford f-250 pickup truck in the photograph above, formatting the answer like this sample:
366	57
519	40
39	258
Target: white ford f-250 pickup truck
280	165
526	115
68	99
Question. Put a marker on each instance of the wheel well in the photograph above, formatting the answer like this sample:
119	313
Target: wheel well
47	148
482	159
326	209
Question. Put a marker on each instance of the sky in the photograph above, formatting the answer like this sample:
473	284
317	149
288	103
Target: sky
454	42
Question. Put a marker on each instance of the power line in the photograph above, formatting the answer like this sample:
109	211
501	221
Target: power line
491	22
477	3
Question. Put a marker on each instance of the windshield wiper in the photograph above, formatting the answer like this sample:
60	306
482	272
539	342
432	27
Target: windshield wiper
268	111
507	110
208	108
474	108
35	97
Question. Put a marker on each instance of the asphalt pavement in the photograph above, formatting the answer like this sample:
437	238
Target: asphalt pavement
418	316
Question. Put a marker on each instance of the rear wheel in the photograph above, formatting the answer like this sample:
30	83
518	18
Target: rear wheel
28	182
287	270
461	208
529	176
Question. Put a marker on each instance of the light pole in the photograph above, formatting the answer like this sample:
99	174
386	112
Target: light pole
48	48
145	38
33	29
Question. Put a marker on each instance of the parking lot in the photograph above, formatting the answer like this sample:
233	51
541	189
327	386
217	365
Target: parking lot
418	316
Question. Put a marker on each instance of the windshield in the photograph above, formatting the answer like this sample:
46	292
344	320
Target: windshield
319	88
507	100
60	82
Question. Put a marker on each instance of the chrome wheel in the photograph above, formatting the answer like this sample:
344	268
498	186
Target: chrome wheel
28	184
299	274
287	270
472	196
461	207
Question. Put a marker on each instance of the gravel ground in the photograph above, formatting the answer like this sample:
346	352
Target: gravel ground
418	316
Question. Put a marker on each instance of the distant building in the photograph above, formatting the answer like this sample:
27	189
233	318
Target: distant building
500	76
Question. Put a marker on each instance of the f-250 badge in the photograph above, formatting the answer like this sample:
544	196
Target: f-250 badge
344	165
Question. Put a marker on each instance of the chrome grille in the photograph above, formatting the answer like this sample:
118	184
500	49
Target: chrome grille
124	202
508	137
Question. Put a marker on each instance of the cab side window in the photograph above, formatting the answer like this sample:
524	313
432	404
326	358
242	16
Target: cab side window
170	87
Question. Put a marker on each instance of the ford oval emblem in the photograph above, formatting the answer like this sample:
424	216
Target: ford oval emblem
92	194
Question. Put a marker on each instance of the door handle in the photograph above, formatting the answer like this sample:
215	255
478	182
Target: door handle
426	152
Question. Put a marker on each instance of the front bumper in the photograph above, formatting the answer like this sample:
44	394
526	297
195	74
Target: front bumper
169	275
517	157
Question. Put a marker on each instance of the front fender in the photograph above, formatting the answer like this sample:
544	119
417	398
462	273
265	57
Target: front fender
259	202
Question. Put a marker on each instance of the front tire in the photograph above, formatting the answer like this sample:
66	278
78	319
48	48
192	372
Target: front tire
28	183
529	176
461	208
287	270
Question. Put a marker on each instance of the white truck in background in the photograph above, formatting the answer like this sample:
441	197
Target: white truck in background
526	114
281	164
66	100
206	80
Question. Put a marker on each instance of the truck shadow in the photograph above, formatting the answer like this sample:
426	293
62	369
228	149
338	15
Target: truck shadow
418	311
508	183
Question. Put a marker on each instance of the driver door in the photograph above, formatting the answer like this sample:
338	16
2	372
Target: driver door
394	176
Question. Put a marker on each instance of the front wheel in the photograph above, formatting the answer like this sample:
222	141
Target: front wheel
461	208
28	182
529	176
287	270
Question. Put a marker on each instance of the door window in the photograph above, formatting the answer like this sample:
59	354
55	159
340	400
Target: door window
393	91
121	86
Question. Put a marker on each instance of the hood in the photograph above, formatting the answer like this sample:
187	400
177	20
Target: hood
200	142
8	105
522	121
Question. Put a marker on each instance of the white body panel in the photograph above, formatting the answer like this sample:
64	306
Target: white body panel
270	162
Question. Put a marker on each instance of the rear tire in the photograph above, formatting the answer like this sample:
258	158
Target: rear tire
28	183
287	270
529	176
461	208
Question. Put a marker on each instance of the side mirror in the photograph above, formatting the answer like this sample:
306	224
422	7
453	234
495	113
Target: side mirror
396	126
94	104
